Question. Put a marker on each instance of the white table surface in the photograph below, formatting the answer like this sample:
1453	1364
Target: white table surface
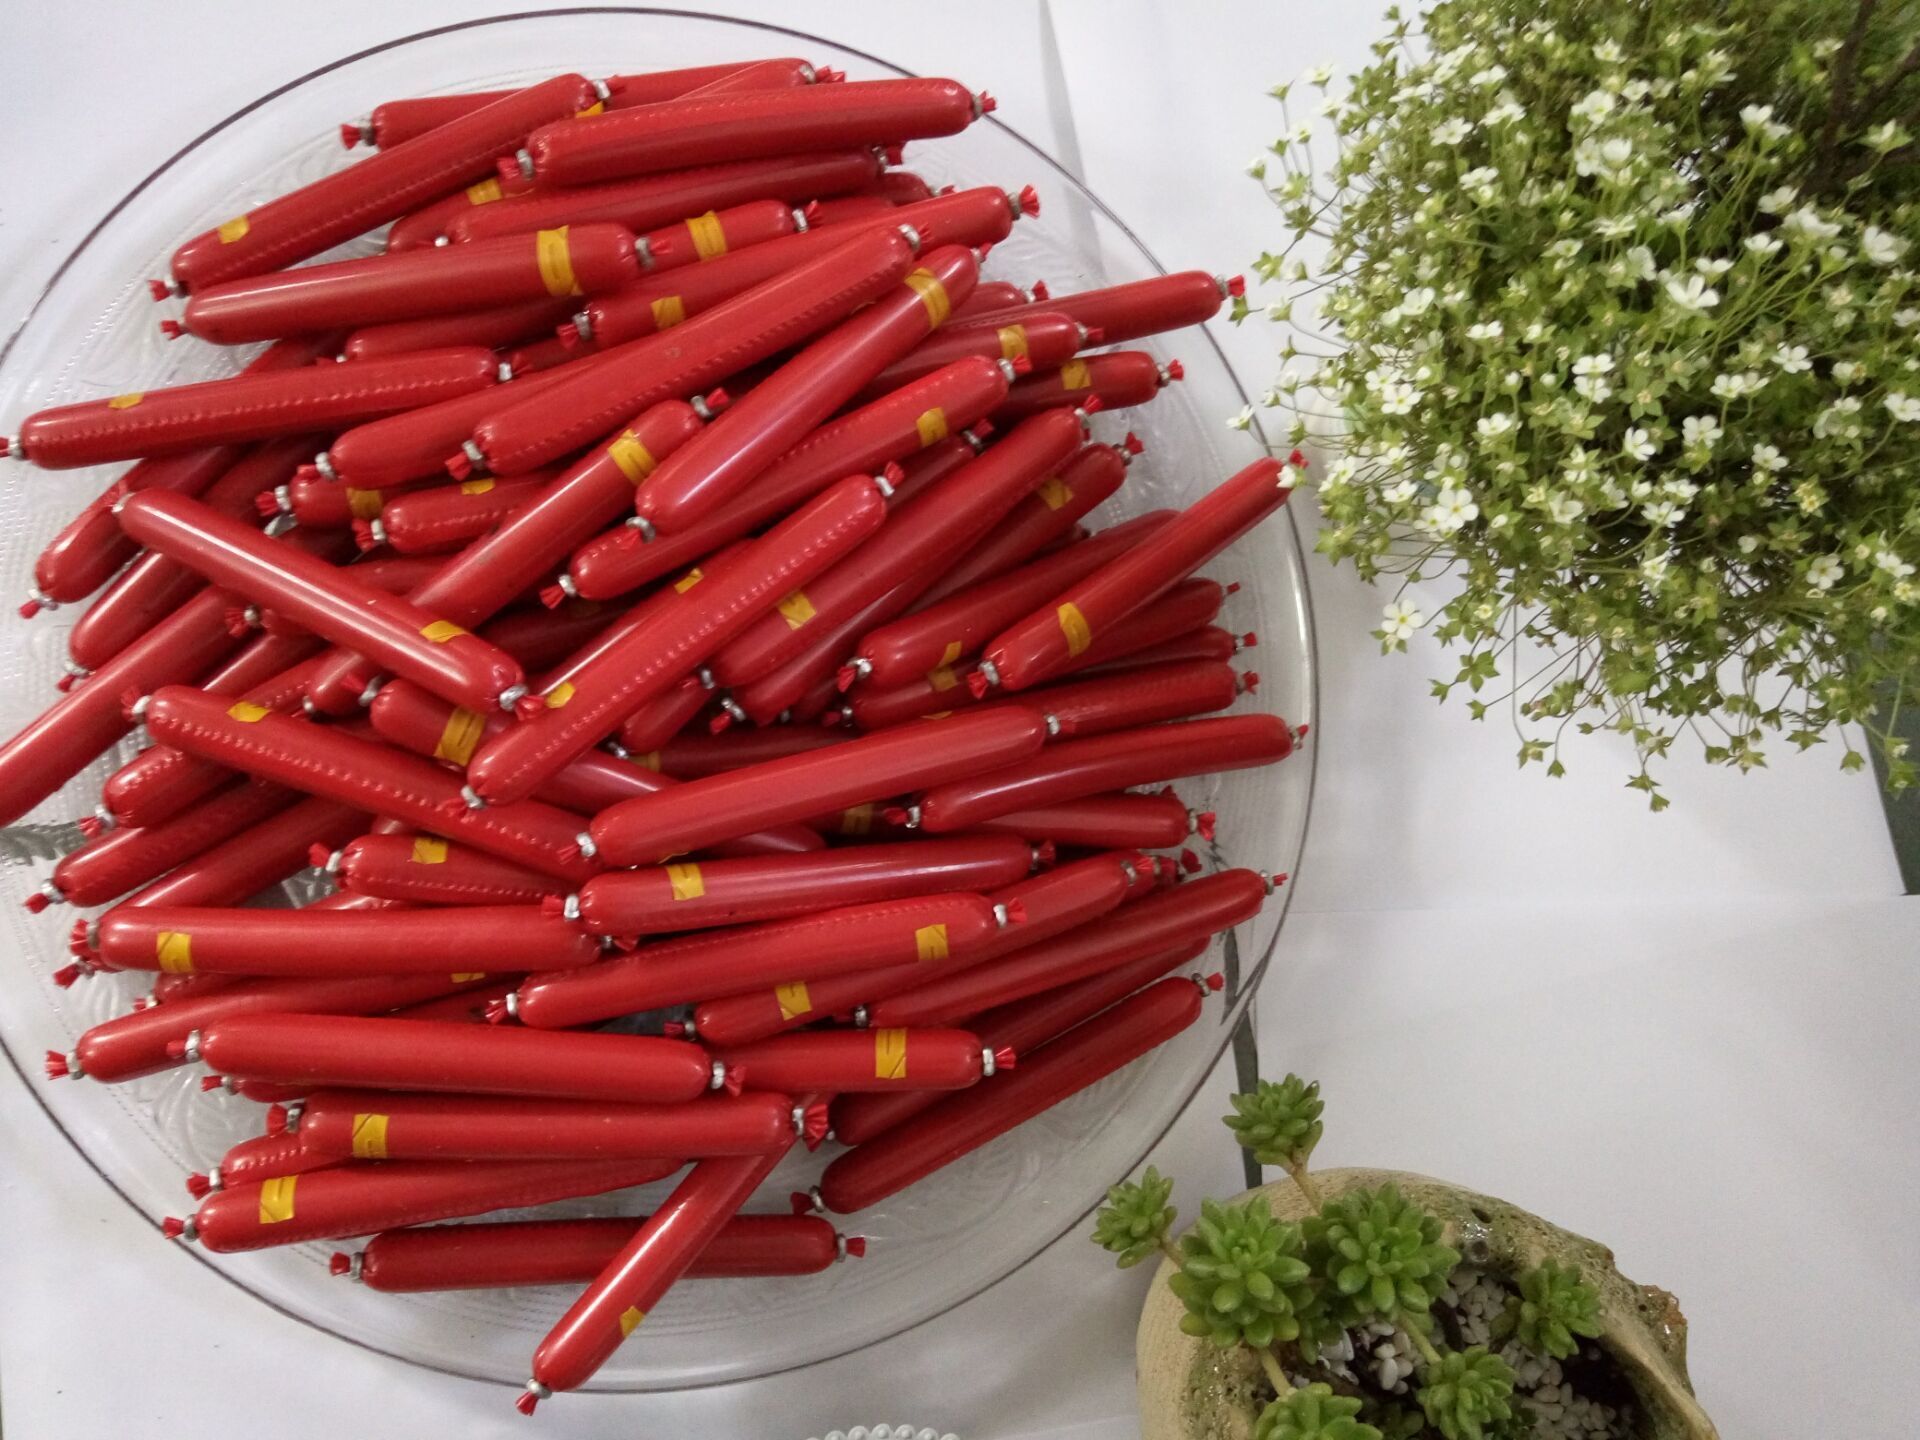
1686	1034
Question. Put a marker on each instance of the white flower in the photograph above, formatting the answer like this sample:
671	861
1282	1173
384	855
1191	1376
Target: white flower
1613	227
1328	108
1400	491
1597	106
1681	489
1417	300
1824	573
1775	202
1564	509
1318	75
1593	387
1492	75
1401	620
1257	167
1607	52
1287	479
1600	364
1734	384
1452	509
1654	569
1792	359
1242	420
1640	263
1769	458
1749	544
1493	426
1840	297
1637	444
1700	432
1890	562
1765	243
1902	407
1845	372
1755	116
1340	473
1692	293
1579	466
1451	132
1880	247
1711	267
1398	397
1883	138
1661	514
1806	224
1485	330
1505	113
1905	319
1281	311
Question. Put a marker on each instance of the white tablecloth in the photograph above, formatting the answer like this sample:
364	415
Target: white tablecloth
1685	1034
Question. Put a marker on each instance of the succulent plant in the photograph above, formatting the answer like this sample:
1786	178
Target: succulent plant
1553	1306
1381	1255
1313	1413
1396	1422
1278	1121
1136	1218
1465	1394
1242	1277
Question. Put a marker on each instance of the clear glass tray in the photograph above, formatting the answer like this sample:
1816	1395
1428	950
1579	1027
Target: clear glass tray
92	333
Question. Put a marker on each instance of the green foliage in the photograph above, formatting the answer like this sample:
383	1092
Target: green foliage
1553	1306
1381	1256
1278	1121
1136	1218
1242	1278
1466	1393
1621	307
1313	1413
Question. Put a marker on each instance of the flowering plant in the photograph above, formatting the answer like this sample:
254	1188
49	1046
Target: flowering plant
1623	320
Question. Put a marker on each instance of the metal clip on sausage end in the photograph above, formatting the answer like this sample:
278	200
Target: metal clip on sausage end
562	589
36	601
61	1066
1171	371
1272	882
643	252
985	677
912	237
175	1228
641	526
1208	984
850	1247
984	104
800	222
583	842
993	1061
1231	286
810	1124
469	461
532	1396
341	1263
576	331
48	894
1054	727
517	166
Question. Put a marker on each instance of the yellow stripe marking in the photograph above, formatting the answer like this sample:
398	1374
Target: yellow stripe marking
596	108
648	761
233	229
460	737
276	1199
1073	625
687	581
559	695
173	949
952	653
797	609
937	715
485	193
792	999
686	882
630	1319
930	942
1013	341
441	631
709	239
476	487
633	459
1074	375
889	1054
550	253
933	295
370	1137
127	401
246	712
1055	493
857	820
429	850
668	311
942	678
364	504
932	426
460	977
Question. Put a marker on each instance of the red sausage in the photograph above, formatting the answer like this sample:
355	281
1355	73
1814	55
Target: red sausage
961	1124
790	692
248	407
1137	308
690	757
1120	821
1150	755
850	1061
190	939
662	1250
1042	342
840	209
703	131
562	1252
344	1200
708	236
326	600
260	1157
337	207
426	225
1140	696
702	617
1118	378
720	806
666	714
317	503
393	1125
1047	640
380	289
109	866
447	516
379	1052
372	777
426	870
540	638
779	412
707	349
992	295
492	327
1208	642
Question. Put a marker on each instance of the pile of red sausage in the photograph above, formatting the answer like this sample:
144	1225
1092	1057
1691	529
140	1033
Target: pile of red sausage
656	580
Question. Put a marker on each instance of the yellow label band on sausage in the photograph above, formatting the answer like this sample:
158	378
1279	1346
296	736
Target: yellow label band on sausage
1055	493
889	1054
441	631
173	949
796	609
550	253
857	819
363	504
933	295
559	695
369	1137
1073	625
709	239
596	108
668	311
630	1319
127	401
634	460
1013	341
952	653
233	229
938	715
686	882
460	737
687	581
930	942
246	712
792	999
276	1199
485	193
429	850
470	487
932	426
460	977
1074	375
648	761
942	678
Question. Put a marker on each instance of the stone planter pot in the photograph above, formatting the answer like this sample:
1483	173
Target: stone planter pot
1190	1390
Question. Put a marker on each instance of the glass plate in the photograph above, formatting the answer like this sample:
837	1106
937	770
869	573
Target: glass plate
92	333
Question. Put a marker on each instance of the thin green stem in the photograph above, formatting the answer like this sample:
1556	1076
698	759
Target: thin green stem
1297	1171
1276	1377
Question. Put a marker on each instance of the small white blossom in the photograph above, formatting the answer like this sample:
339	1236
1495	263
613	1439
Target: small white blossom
1749	544
1824	573
1880	247
1640	263
1318	75
1401	620
1417	301
1280	312
1712	268
1485	330
1400	492
1906	319
1504	113
1451	132
1775	202
1493	426
1692	293
1661	514
1736	384
1765	243
1700	432
1451	510
1600	364
1341	472
1902	407
1613	227
1883	138
1594	108
1241	420
1792	359
1492	75
1653	569
1769	458
1257	167
1892	564
1607	52
1637	444
1398	397
1845	372
1564	509
1594	388
1806	224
